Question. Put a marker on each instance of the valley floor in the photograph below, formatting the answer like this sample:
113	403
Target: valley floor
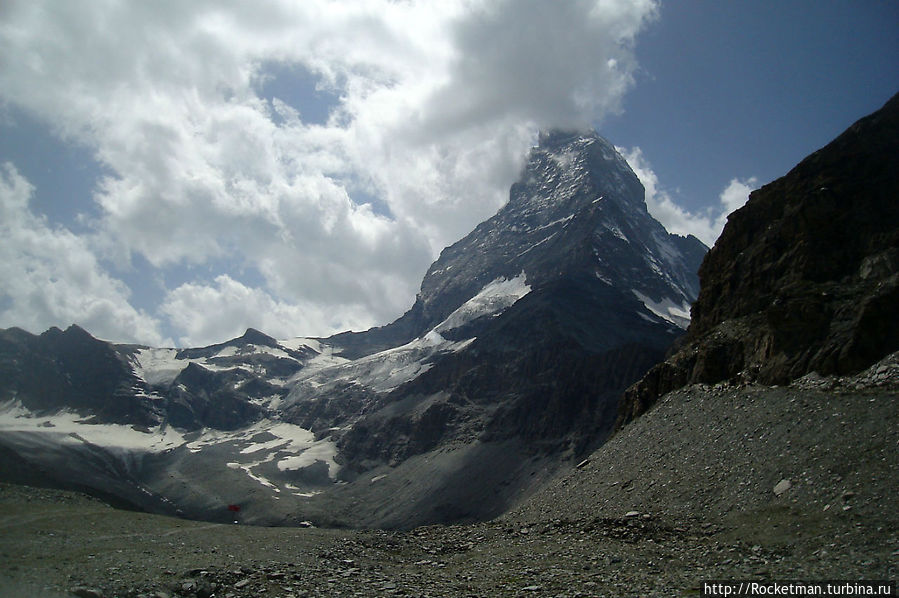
683	495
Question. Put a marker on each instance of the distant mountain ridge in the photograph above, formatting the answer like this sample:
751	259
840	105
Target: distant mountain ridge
511	360
70	368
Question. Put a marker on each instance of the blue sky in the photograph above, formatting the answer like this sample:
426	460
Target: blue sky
750	88
172	173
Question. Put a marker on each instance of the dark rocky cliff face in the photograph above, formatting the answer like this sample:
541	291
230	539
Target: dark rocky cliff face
73	369
544	372
805	276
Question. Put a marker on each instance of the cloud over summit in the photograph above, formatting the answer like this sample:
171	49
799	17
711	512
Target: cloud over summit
706	225
434	106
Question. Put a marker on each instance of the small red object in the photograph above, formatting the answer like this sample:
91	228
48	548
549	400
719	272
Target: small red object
234	508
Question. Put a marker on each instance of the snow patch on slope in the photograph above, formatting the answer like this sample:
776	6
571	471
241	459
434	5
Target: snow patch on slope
71	428
157	366
294	344
676	313
616	231
251	349
291	446
288	446
386	370
383	371
492	299
160	367
323	359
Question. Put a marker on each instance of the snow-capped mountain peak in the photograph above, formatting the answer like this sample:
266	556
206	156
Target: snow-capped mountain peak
577	210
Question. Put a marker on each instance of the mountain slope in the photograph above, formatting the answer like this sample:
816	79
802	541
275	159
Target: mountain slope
699	472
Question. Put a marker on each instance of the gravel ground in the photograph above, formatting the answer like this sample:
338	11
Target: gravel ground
718	482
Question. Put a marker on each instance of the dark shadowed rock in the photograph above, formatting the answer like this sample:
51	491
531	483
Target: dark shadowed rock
70	368
805	276
200	398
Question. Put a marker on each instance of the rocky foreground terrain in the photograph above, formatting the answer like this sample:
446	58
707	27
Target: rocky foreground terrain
715	482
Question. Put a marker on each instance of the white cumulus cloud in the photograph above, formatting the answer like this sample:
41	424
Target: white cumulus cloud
51	277
226	308
435	106
705	225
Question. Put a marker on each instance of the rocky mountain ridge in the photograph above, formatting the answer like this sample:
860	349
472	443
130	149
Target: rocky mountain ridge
577	211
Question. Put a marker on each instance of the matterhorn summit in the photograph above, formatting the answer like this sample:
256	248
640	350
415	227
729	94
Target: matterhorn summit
577	211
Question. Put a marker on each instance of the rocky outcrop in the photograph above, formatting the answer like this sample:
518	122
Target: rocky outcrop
805	276
70	368
543	372
201	398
